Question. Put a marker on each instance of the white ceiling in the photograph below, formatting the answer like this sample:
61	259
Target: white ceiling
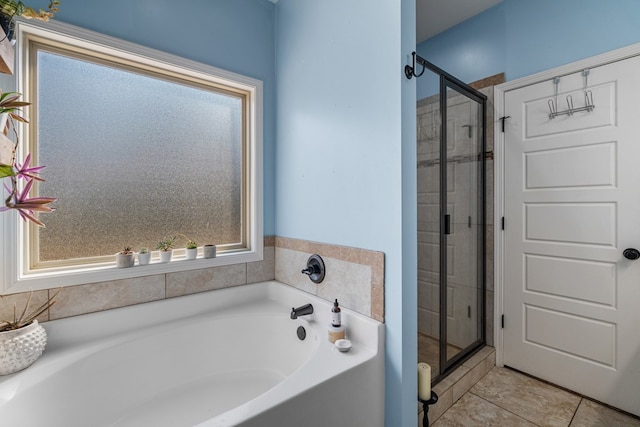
436	16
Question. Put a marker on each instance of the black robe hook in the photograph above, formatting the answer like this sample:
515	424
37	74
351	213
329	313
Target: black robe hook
410	71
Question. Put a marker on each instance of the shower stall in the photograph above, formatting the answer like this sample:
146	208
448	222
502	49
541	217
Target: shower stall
451	221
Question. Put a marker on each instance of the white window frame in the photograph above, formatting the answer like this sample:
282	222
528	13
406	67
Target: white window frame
16	277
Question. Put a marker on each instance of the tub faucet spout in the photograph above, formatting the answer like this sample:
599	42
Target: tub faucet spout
303	310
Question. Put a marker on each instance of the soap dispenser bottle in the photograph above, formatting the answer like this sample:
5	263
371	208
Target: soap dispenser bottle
336	330
335	314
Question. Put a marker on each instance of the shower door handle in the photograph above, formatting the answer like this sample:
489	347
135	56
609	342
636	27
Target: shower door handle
447	224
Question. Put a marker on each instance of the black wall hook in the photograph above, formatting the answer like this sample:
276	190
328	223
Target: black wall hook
410	70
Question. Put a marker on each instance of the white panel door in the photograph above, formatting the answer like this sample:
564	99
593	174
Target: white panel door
572	206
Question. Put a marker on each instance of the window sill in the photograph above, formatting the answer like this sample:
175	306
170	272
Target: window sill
93	274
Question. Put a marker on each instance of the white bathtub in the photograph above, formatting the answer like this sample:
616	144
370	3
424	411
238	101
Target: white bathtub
224	358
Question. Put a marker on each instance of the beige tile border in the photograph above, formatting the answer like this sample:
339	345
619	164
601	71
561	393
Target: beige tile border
269	241
93	297
494	80
372	259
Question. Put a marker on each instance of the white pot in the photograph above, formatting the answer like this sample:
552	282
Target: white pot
3	121
125	260
191	253
165	256
144	259
7	147
209	251
20	348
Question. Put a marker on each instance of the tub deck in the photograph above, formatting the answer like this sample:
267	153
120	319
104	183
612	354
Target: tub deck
220	358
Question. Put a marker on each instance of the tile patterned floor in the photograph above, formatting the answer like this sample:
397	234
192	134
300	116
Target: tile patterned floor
507	398
460	381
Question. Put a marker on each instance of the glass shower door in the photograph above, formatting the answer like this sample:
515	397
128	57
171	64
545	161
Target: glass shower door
451	221
429	132
463	223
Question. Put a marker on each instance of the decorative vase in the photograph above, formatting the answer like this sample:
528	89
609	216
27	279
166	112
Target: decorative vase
191	253
145	258
165	256
125	260
209	251
21	347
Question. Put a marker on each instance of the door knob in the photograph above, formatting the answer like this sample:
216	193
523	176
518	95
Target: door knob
631	253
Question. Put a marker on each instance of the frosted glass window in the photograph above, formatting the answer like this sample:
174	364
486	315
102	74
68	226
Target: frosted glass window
133	157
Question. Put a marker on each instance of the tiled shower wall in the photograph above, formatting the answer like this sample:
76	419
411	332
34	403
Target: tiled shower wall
354	276
428	220
486	86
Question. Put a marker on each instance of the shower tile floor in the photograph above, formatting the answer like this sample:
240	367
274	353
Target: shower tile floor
504	397
429	351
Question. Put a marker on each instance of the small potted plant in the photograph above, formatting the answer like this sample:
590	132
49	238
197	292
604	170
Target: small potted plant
166	248
144	256
192	249
209	251
22	339
125	258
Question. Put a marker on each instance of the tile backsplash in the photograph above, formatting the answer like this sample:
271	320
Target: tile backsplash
354	276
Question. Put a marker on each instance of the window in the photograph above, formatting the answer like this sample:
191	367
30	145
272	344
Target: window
139	145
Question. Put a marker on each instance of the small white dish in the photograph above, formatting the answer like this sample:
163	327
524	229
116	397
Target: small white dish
343	345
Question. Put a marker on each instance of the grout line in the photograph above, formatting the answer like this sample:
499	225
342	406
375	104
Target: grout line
613	408
575	412
165	286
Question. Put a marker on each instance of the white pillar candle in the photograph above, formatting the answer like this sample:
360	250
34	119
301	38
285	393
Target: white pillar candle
424	381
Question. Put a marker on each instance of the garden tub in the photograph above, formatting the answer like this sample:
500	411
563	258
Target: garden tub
230	357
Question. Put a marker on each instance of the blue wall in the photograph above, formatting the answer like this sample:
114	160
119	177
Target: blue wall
549	33
523	37
343	144
236	35
343	168
472	50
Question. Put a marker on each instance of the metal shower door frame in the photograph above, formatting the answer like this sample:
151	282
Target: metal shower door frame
451	82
